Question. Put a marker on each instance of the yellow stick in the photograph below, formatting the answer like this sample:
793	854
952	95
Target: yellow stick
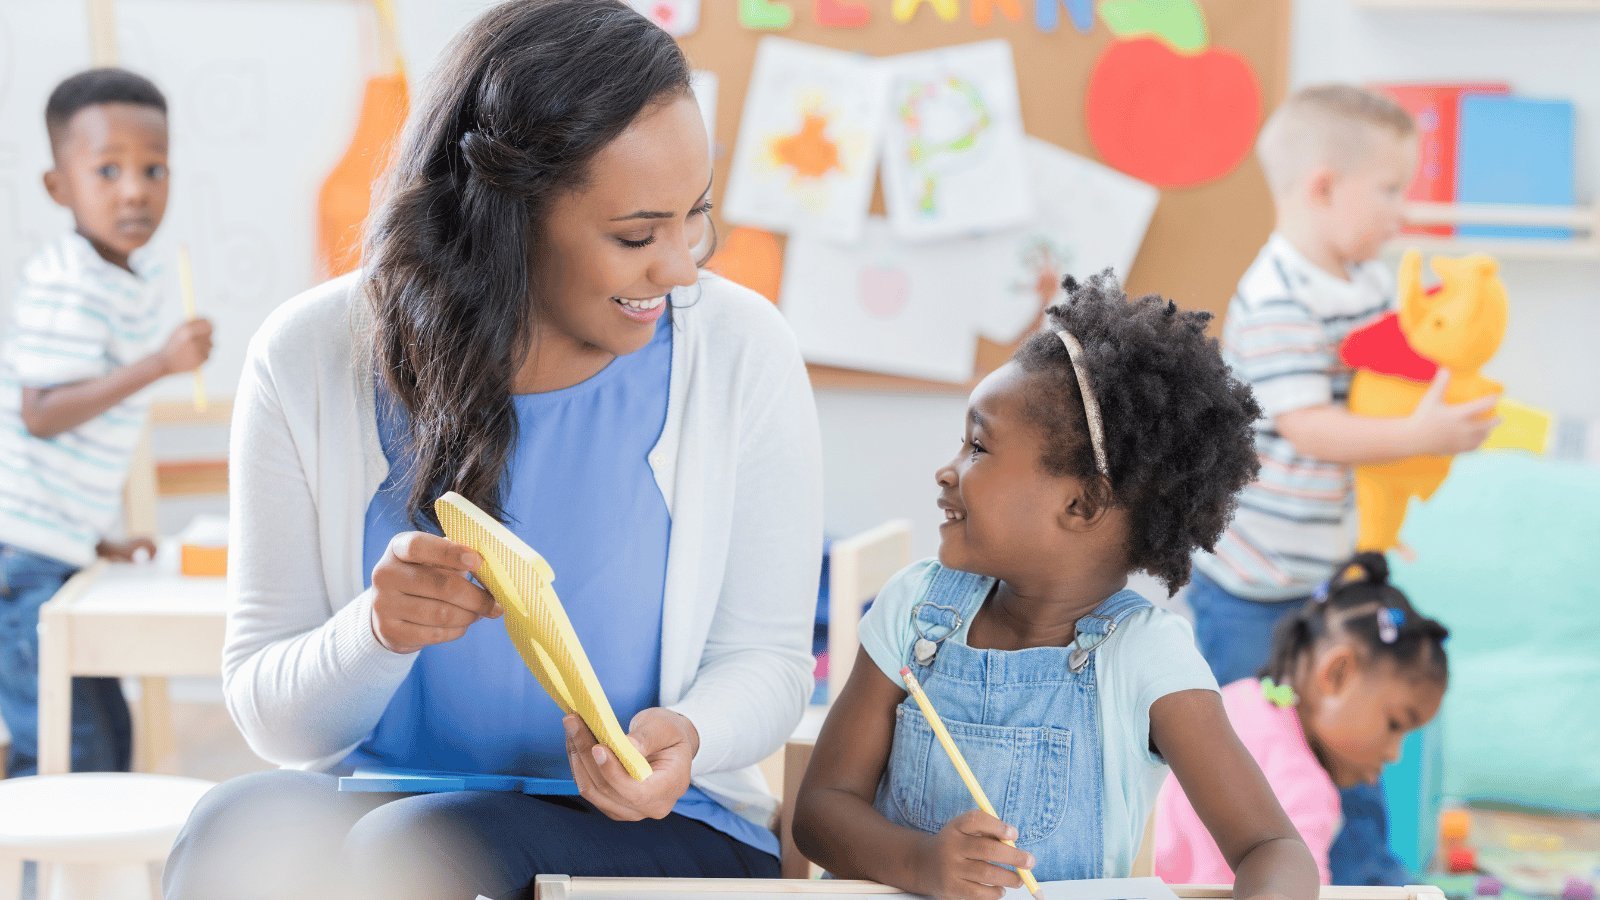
186	281
960	762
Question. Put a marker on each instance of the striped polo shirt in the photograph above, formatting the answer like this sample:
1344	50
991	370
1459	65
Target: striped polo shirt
74	317
1282	336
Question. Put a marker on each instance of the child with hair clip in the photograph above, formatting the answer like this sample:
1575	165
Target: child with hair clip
1113	441
1351	673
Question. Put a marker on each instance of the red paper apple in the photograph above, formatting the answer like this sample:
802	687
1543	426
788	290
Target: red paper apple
1172	119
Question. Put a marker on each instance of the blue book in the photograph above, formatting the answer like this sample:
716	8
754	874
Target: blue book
1515	150
376	780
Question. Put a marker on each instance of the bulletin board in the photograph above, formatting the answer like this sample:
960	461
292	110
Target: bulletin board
1201	238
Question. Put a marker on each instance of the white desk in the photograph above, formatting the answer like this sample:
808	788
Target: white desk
122	620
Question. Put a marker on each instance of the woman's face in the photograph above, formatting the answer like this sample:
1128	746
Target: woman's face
614	248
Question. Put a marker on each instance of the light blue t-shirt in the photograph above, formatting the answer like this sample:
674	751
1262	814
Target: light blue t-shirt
1152	654
580	490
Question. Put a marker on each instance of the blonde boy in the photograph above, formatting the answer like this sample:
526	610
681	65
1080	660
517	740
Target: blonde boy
1338	160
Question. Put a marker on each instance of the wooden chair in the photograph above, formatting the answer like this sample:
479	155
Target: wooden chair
858	568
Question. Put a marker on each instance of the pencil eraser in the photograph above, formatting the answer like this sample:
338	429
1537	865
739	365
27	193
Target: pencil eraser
904	671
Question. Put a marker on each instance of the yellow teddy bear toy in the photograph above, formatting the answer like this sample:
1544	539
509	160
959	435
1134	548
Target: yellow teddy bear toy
1456	326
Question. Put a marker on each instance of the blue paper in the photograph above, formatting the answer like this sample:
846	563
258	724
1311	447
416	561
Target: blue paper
1515	150
417	781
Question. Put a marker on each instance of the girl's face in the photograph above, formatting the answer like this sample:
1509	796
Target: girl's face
1359	713
1000	506
613	249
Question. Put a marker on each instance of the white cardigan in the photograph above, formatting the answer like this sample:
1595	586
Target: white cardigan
738	462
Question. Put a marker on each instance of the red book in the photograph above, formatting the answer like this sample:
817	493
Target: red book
1437	109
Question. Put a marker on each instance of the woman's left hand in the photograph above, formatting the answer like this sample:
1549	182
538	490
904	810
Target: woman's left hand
668	741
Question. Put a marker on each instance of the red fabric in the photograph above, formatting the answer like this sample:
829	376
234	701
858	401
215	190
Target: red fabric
1382	347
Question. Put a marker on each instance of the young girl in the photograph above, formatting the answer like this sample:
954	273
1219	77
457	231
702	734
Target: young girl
1113	441
1350	674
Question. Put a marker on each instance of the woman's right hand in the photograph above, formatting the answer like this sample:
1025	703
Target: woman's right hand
966	859
421	594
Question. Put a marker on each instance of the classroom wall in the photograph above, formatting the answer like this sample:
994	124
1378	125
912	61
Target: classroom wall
264	91
880	450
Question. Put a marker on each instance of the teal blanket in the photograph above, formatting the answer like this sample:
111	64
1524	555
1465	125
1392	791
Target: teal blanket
1508	556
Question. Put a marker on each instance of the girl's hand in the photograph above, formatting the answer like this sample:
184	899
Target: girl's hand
421	595
129	550
965	859
668	741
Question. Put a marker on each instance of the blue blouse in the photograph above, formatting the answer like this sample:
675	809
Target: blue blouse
580	490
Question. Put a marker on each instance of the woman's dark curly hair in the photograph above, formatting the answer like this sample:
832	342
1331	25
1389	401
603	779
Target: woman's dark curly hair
1178	436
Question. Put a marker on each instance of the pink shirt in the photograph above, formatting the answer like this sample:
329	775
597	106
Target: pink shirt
1185	852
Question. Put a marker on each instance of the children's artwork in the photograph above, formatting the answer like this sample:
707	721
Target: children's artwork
884	306
1088	218
813	118
1457	327
704	85
953	160
1172	119
676	17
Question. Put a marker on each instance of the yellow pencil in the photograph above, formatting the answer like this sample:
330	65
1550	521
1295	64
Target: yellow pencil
186	281
960	762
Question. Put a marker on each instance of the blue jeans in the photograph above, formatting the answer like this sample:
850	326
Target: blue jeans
1235	637
291	834
102	734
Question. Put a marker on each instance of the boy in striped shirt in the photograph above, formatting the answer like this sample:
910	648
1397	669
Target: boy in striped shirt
85	339
1338	160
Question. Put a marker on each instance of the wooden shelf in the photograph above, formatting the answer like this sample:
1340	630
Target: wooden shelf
1498	6
1584	221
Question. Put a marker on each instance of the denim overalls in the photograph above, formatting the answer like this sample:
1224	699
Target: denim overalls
1027	723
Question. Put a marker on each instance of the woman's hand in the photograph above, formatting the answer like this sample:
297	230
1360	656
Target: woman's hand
668	741
966	859
421	595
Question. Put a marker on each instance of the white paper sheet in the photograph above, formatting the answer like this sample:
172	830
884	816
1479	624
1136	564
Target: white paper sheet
953	147
882	305
808	141
1088	217
1100	889
704	84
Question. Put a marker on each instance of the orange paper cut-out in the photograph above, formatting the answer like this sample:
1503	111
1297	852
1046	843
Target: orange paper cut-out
346	195
983	10
752	258
809	152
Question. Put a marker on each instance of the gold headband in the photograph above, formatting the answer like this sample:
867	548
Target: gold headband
1091	406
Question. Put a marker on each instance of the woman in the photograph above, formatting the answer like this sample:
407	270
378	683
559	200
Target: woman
532	331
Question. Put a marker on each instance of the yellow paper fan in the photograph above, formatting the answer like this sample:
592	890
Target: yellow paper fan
524	584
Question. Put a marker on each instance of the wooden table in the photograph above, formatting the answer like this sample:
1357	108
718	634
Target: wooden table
562	887
125	620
